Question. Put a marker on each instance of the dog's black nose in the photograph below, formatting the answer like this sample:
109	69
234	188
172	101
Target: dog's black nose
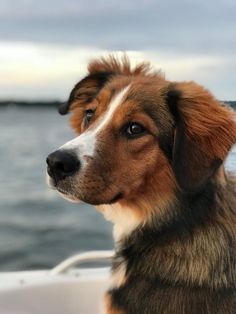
62	164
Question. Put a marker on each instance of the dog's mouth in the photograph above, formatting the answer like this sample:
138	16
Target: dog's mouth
60	190
63	193
51	182
68	195
116	198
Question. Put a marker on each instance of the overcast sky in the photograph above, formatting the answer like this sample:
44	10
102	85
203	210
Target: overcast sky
45	45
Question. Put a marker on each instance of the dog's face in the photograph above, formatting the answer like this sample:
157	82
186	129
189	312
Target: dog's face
118	151
140	138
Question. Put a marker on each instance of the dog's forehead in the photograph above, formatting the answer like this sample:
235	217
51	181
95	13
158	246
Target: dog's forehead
144	94
121	104
116	101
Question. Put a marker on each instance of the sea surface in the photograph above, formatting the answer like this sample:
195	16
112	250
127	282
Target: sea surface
38	229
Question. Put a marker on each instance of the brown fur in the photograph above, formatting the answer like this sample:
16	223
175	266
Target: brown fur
109	308
123	67
182	257
207	131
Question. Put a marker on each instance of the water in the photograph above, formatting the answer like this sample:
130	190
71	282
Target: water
38	229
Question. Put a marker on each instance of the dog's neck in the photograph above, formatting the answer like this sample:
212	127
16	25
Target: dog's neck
124	219
187	249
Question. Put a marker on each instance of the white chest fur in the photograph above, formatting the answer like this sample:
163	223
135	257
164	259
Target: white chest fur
125	221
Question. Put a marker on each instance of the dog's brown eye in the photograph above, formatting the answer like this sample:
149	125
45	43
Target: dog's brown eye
88	116
134	129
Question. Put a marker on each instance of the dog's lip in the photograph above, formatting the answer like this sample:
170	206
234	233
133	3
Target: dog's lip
55	186
116	198
61	190
51	182
68	196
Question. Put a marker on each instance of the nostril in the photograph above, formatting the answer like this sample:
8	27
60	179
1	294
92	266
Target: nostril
59	166
64	167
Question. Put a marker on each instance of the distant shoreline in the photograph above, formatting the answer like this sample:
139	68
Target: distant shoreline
56	104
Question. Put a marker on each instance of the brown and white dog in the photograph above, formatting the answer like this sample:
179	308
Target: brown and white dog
149	154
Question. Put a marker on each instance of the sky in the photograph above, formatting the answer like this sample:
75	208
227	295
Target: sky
45	45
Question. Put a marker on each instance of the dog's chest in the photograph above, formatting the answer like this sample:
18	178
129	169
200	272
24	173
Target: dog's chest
125	221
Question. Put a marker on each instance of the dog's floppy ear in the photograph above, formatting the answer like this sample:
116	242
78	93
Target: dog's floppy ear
87	89
205	132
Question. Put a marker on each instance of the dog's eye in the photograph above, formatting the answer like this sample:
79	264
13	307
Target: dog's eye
88	114
134	129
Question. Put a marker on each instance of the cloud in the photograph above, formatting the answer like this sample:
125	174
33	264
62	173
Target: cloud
202	26
47	43
43	71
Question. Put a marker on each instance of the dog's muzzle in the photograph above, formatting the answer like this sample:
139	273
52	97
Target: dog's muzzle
62	164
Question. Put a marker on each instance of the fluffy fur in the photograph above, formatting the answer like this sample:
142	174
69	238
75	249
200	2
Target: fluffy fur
165	189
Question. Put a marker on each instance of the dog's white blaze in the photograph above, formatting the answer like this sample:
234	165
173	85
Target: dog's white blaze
111	109
84	145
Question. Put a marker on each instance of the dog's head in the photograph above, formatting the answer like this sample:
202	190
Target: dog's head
140	137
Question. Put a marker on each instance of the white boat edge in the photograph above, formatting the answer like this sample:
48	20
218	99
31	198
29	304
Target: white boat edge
66	289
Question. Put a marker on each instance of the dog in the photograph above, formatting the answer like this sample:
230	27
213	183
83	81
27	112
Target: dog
149	155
